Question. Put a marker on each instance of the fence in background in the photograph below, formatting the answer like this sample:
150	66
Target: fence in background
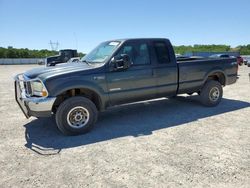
20	61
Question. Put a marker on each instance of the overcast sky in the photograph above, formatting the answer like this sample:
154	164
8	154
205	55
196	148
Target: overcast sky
84	24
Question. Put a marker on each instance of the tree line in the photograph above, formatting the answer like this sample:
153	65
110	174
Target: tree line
11	52
243	49
25	53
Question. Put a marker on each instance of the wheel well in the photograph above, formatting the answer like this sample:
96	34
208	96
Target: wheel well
218	76
91	95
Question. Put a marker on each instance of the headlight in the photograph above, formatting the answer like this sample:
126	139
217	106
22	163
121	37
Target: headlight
38	88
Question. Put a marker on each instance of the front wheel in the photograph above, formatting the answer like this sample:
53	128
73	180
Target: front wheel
211	93
76	115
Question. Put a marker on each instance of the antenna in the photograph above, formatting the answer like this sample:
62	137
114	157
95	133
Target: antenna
54	45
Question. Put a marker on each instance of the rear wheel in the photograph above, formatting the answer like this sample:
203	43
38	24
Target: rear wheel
76	115
211	93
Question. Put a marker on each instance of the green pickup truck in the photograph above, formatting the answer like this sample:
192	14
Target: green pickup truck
118	72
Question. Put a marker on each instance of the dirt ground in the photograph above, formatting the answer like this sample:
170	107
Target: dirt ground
158	143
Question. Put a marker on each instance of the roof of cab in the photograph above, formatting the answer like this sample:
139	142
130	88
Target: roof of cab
130	39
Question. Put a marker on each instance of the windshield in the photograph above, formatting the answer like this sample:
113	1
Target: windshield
101	53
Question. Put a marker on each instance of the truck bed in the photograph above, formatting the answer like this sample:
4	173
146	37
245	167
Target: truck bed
193	71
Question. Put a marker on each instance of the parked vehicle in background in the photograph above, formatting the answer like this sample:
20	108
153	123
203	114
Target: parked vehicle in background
63	57
220	56
240	60
248	63
41	62
245	61
118	72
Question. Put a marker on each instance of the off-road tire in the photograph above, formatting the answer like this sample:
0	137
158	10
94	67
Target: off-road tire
206	95
69	104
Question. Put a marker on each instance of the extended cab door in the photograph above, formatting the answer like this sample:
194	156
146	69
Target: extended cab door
165	68
137	82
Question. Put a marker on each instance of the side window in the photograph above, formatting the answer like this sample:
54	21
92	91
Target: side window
137	51
162	52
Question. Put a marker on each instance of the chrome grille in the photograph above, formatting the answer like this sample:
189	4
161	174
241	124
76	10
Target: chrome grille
27	87
24	84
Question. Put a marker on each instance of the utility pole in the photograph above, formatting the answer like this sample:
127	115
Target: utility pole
54	45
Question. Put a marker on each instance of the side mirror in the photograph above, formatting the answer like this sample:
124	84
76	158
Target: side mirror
120	62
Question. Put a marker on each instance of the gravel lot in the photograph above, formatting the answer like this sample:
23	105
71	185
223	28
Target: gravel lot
159	143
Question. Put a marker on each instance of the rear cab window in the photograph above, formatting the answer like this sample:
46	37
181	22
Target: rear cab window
161	52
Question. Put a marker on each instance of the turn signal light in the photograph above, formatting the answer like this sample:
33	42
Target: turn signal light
44	93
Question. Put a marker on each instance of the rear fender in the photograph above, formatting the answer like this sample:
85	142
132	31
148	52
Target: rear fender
214	71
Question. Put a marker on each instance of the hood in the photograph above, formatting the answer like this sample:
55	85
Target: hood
59	69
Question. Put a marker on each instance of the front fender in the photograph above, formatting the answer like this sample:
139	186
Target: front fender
58	86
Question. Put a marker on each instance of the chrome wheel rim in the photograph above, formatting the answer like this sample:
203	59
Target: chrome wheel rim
78	117
214	94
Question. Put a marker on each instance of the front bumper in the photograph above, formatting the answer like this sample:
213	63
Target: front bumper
32	106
